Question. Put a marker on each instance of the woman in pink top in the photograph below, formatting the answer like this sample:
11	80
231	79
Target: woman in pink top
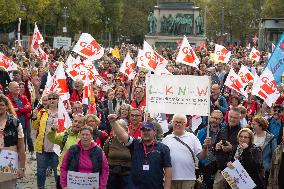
85	157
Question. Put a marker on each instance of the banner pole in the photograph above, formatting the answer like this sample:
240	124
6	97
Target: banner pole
209	107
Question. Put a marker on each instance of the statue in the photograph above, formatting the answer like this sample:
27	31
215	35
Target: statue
188	28
199	25
163	25
152	22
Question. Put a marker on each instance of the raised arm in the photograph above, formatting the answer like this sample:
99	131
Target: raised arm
117	128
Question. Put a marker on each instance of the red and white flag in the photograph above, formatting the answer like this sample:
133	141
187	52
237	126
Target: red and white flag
86	92
37	40
204	46
152	58
88	47
245	75
234	82
248	46
77	69
254	54
64	121
187	55
266	87
272	47
6	63
58	83
255	39
43	55
221	54
162	71
141	60
128	67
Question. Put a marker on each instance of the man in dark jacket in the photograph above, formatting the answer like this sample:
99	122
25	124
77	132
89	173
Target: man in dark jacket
226	140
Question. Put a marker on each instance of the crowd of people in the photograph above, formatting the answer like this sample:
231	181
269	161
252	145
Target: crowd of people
125	144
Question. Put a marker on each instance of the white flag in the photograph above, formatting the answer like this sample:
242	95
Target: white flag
221	54
254	54
88	47
37	40
187	55
128	67
233	81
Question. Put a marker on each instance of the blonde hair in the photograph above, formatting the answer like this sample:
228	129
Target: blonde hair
8	104
247	130
92	116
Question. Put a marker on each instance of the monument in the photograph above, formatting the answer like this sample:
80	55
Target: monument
171	20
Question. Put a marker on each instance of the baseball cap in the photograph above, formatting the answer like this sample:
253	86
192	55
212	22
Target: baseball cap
148	125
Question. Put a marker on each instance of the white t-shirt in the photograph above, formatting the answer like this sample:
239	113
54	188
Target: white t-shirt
183	167
259	141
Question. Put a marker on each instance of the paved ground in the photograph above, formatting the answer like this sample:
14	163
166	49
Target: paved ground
29	181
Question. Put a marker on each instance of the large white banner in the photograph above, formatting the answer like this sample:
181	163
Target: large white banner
77	180
183	94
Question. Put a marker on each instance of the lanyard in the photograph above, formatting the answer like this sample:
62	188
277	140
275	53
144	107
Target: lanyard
146	154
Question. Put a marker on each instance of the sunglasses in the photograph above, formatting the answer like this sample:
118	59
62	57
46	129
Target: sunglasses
54	98
277	111
145	129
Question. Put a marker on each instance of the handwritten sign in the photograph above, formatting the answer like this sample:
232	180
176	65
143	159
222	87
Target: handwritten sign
183	94
8	163
77	180
238	177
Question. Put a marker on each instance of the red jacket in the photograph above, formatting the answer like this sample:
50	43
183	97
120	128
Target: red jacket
140	106
75	97
25	110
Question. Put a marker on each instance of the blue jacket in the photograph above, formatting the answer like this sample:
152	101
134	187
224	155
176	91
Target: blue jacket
270	144
223	105
276	128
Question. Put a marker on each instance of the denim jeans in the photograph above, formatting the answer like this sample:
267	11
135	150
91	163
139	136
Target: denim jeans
44	160
27	139
119	182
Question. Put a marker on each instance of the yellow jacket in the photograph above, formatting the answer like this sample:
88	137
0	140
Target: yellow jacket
39	125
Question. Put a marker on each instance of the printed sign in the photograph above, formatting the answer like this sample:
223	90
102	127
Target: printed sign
183	94
8	163
238	177
76	180
62	41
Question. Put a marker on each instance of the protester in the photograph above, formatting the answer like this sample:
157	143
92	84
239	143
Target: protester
276	125
12	137
218	102
85	157
45	155
139	99
226	140
150	159
66	139
249	156
184	148
77	94
119	159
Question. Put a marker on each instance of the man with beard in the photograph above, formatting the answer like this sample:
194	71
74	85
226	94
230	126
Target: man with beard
208	166
151	161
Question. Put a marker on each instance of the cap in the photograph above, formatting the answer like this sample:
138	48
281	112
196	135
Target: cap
148	125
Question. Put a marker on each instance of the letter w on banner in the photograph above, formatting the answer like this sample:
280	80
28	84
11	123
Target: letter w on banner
266	87
37	40
234	82
187	55
152	58
6	63
58	83
88	47
254	54
128	67
221	54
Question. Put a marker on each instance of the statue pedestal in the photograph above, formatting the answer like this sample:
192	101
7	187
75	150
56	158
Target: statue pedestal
174	20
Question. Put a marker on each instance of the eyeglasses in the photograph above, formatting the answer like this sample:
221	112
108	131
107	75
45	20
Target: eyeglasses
54	98
277	111
245	137
145	129
135	115
178	122
138	92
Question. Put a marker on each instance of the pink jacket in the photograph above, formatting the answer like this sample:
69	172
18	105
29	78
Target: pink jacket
85	166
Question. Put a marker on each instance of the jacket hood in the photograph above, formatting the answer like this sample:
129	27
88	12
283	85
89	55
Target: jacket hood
93	145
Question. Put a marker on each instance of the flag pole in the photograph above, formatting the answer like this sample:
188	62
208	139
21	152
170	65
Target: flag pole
209	107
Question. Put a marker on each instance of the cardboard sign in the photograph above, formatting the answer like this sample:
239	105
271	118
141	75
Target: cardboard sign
77	180
238	178
8	163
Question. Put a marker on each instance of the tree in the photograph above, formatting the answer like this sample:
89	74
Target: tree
273	9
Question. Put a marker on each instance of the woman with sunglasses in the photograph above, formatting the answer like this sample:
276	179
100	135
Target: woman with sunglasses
45	155
250	156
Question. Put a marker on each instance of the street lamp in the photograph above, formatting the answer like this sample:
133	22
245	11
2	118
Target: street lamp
65	16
